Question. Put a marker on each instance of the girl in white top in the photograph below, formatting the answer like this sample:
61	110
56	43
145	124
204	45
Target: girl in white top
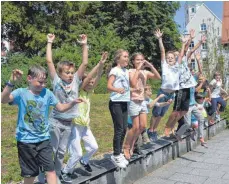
216	89
118	85
137	107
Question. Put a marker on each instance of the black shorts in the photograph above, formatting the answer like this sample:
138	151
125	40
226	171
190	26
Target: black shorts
35	156
182	100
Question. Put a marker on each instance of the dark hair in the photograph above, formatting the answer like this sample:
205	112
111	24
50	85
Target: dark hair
37	71
61	64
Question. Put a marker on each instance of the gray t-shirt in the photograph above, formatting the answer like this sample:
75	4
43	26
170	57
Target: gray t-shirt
216	88
66	93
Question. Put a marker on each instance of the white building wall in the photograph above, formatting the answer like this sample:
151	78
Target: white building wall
214	30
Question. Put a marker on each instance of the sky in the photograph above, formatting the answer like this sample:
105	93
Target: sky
215	6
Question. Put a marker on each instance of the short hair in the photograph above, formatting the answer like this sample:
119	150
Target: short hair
170	52
61	64
37	71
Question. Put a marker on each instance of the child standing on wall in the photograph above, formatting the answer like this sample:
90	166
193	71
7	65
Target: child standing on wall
32	132
66	82
81	129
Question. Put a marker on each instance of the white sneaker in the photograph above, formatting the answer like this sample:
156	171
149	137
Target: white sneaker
118	160
124	159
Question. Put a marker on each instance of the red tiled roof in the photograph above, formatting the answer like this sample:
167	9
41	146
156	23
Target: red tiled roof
225	25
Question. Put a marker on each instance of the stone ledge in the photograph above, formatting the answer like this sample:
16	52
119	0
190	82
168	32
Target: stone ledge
155	155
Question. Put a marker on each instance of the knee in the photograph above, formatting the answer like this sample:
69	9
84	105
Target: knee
50	174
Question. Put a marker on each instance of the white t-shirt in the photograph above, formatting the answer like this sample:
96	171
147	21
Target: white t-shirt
121	81
66	93
170	76
186	80
216	88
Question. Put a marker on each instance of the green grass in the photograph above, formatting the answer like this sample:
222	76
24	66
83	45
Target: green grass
101	125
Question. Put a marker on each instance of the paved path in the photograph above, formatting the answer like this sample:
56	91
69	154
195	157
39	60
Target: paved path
200	166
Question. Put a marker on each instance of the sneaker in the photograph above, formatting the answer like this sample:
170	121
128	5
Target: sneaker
65	177
192	135
124	159
151	135
118	160
156	136
87	167
145	138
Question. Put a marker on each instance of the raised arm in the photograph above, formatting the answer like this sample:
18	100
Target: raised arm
97	70
6	96
84	64
184	40
154	74
191	36
198	57
159	35
51	67
203	40
134	75
199	86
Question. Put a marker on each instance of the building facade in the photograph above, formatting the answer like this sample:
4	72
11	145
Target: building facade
200	18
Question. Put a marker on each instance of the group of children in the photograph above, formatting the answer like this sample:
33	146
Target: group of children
43	139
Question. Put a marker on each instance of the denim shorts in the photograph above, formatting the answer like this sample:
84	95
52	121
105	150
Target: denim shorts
160	111
136	107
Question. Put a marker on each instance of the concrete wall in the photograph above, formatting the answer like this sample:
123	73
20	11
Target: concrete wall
155	155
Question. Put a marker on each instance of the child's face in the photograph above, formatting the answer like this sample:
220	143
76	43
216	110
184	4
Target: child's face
67	74
138	60
200	100
90	85
124	59
148	92
37	83
217	77
170	59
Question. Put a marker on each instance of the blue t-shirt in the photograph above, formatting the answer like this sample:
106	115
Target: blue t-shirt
32	122
192	96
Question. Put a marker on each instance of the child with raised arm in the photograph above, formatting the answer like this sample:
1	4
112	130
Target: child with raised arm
170	83
66	82
32	131
118	85
81	129
137	108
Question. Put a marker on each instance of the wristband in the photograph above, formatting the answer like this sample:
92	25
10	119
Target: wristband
49	41
9	84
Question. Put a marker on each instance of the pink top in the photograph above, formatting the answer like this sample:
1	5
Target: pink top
141	83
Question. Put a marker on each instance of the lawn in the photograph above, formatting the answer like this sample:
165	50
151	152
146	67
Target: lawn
101	125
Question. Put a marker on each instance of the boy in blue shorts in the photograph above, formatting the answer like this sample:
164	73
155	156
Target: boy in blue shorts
32	131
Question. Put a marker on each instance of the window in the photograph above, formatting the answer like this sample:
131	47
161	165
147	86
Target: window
191	45
193	64
203	27
193	10
204	46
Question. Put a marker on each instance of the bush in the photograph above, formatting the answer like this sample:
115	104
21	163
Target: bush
102	86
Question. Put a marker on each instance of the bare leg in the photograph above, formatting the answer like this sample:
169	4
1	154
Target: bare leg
51	177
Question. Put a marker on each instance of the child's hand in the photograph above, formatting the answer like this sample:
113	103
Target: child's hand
147	64
16	75
50	37
104	57
169	101
83	40
120	90
161	95
79	100
192	33
203	38
184	39
158	33
140	66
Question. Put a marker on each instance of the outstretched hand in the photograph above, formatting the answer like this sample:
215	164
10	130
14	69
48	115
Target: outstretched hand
104	57
184	39
83	39
192	33
203	38
158	33
50	37
16	75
